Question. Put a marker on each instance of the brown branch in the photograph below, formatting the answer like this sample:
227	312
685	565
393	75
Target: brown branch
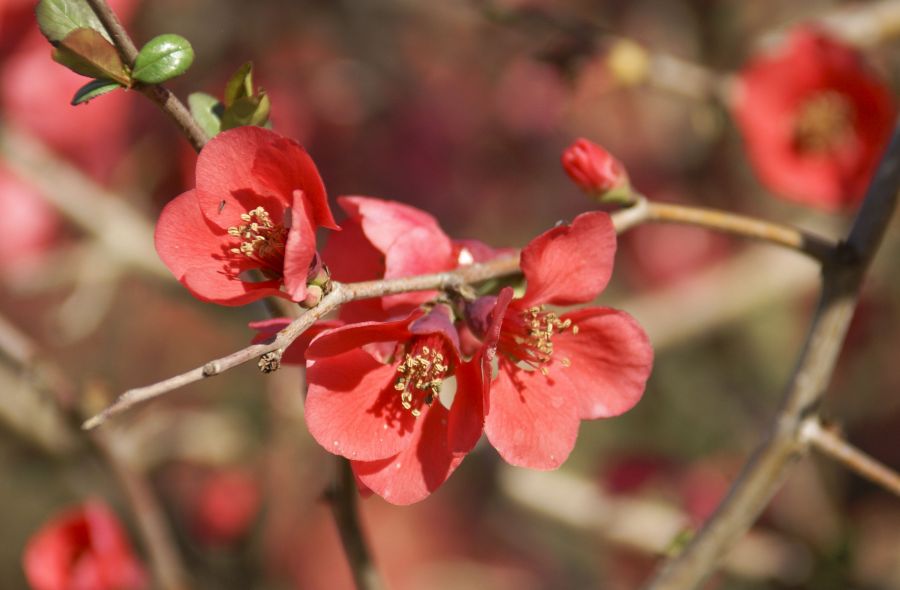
340	294
830	443
168	570
816	247
623	220
767	468
159	94
63	413
343	500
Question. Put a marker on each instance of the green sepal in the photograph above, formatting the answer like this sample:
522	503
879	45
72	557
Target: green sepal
93	89
87	52
207	110
163	58
240	85
247	110
58	18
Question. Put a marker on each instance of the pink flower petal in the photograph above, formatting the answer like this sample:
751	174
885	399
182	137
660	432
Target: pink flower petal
570	264
466	417
352	408
281	167
531	421
226	184
610	360
194	251
299	250
413	474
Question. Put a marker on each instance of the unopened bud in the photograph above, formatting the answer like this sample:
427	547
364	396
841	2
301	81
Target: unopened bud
314	294
597	172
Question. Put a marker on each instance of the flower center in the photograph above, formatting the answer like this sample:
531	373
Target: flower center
823	122
527	337
421	373
261	240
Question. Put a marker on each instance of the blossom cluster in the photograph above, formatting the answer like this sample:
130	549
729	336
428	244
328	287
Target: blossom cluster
405	385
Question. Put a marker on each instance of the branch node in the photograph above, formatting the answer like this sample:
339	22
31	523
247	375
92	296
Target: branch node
271	361
210	369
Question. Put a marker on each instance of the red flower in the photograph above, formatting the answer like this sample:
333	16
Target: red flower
84	548
375	397
386	239
592	168
814	120
257	203
556	370
225	506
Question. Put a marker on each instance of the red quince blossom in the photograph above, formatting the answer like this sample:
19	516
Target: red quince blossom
257	202
387	239
815	120
84	548
558	369
375	397
592	168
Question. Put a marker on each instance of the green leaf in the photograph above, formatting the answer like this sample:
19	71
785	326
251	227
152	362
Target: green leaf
58	18
163	58
206	109
248	110
240	85
87	52
93	89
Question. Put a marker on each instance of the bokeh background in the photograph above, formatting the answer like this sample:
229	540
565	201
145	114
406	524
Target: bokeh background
460	108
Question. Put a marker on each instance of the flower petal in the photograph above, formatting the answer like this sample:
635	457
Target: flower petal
530	422
281	167
354	336
413	474
610	360
570	264
466	418
352	408
195	252
226	184
299	250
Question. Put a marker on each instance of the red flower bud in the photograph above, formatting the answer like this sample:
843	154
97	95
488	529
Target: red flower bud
593	169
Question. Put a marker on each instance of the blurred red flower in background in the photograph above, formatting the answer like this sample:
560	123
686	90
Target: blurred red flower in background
374	397
225	506
257	203
815	120
84	548
556	370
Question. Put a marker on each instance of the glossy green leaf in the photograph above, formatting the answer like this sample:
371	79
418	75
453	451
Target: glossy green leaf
249	110
93	89
206	109
240	85
163	58
58	18
87	52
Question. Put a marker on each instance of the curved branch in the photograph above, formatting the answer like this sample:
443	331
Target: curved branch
623	220
762	475
162	96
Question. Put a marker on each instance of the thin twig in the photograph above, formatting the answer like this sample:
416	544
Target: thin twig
830	443
816	247
168	570
767	468
343	500
340	294
159	94
641	212
167	567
